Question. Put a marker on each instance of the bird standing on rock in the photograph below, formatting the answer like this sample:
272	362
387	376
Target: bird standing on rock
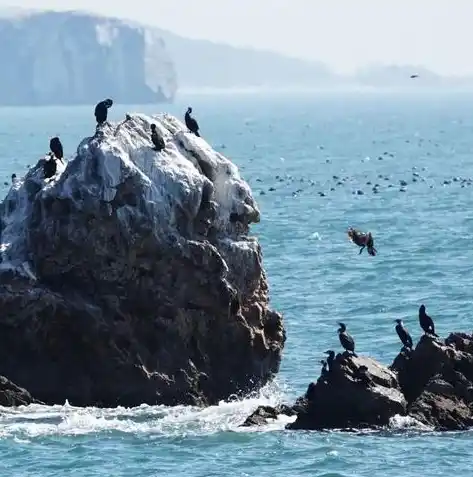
330	358
323	371
191	123
156	139
101	110
403	334
345	339
426	322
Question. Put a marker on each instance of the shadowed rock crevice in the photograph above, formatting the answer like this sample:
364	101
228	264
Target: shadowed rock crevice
114	291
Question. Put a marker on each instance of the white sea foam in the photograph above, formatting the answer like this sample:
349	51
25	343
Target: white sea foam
28	422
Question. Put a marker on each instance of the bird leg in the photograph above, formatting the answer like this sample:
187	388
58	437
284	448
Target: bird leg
361	249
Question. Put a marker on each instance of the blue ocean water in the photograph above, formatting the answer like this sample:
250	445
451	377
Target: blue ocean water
293	143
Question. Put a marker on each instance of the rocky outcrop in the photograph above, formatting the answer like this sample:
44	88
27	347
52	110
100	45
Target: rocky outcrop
12	395
355	392
437	380
433	384
130	276
77	58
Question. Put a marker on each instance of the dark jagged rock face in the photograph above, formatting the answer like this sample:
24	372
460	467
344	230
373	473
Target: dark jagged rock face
437	379
356	392
140	288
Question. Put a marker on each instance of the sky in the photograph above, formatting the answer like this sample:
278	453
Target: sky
346	34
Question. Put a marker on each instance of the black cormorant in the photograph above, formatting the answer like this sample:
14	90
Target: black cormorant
56	147
191	123
403	334
330	358
362	240
345	339
101	110
426	322
49	166
324	371
156	139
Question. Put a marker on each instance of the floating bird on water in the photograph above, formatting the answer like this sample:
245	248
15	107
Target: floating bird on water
362	240
191	123
345	339
426	322
403	334
414	76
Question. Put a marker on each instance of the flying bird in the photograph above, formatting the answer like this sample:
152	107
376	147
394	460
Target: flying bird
362	240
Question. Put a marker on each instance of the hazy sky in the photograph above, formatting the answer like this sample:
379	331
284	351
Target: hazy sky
343	33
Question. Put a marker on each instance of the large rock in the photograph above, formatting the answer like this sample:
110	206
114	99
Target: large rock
356	392
437	380
130	276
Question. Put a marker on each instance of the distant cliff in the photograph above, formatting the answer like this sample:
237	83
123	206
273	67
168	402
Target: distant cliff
73	58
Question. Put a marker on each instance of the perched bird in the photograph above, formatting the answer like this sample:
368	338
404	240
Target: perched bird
426	322
191	123
330	358
101	110
324	368
55	147
345	339
403	334
156	139
362	240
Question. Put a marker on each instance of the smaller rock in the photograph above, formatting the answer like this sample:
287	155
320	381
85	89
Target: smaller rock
12	395
262	414
356	392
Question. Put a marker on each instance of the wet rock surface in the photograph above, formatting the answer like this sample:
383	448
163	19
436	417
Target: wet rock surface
130	276
437	379
264	414
12	395
355	392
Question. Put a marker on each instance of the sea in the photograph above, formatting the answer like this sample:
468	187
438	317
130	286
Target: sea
313	161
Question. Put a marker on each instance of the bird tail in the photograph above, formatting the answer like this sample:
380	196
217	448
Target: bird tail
197	134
